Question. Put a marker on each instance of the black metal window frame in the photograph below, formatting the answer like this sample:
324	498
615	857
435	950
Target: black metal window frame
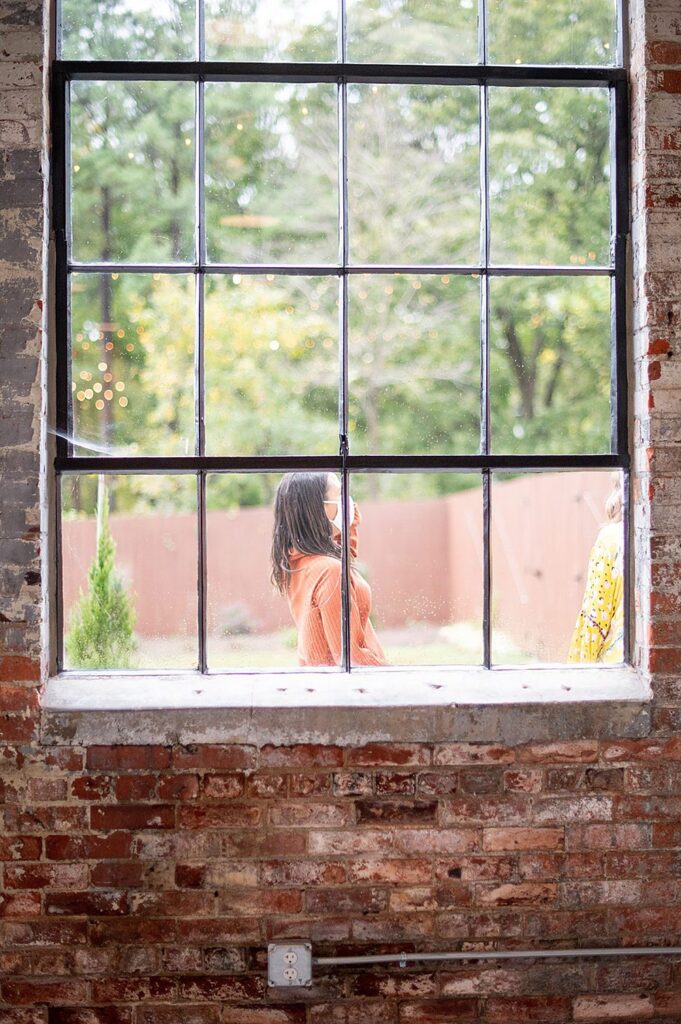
341	73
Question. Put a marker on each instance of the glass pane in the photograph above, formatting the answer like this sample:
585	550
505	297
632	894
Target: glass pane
297	30
549	171
127	29
565	32
271	358
413	174
550	364
414	363
418	570
557	541
126	542
132	171
413	31
271	172
255	521
132	363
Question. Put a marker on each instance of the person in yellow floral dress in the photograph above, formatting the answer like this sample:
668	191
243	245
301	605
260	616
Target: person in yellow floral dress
599	632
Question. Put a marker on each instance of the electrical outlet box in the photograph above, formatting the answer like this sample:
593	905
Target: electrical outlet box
289	964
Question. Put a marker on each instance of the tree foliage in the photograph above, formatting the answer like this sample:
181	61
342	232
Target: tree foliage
101	633
271	342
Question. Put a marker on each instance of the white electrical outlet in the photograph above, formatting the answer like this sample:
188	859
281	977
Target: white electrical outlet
289	964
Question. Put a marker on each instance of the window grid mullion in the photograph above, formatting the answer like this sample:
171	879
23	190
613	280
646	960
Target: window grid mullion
344	256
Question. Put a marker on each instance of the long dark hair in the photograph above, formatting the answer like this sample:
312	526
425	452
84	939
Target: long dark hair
300	523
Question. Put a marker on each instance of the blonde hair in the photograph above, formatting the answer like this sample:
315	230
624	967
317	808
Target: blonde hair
614	501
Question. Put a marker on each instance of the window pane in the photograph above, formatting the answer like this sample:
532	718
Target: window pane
414	363
132	359
297	30
271	365
549	176
567	32
127	29
417	576
132	171
413	174
129	555
421	32
557	567
251	624
271	172
550	364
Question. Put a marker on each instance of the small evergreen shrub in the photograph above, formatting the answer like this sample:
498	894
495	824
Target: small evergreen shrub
101	634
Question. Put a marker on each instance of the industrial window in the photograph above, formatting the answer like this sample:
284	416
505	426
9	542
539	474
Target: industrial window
341	339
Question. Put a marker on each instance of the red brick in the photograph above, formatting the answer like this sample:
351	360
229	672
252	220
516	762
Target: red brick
438	1011
221	758
117	874
127	757
43	932
69	758
133	816
260	902
19	698
178	787
387	754
608	837
301	784
91	787
19	668
20	993
218	816
302	755
353	784
289	1014
548	1009
664	52
404	985
223	787
47	790
398	812
437	783
20	904
127	930
429	898
522	894
126	990
48	817
221	988
131	788
670	81
20	848
635	1006
87	903
190	1015
16	729
91	1015
115	845
522	838
317	815
579	751
40	876
265	787
389	869
395	784
647	808
359	900
472	753
303	873
172	904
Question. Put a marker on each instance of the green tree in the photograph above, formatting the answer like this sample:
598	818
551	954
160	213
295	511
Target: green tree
101	634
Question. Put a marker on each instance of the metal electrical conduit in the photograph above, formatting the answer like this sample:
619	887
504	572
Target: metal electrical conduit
515	954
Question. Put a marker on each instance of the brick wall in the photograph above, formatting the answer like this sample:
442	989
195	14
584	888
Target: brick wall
142	883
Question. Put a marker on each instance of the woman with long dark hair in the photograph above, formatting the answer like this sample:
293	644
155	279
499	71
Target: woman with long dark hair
306	569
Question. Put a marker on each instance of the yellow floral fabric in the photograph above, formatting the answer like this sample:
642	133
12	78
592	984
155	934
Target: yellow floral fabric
599	633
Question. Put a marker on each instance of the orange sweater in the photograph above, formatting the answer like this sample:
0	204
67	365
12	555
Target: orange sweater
314	597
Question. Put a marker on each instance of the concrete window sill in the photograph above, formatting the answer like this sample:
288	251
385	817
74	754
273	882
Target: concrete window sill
506	705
